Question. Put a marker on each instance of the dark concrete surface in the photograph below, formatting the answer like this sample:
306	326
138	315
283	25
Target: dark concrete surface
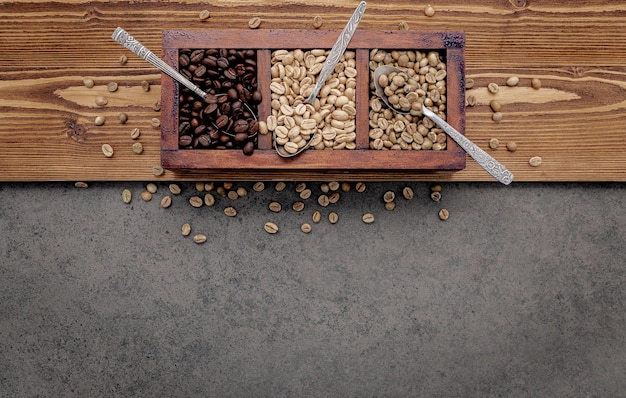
519	294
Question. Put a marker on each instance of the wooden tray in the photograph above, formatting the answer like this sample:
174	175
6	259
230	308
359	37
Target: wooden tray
361	158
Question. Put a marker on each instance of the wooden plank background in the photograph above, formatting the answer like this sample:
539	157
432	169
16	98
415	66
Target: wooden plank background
575	122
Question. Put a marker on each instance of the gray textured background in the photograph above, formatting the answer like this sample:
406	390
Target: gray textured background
520	293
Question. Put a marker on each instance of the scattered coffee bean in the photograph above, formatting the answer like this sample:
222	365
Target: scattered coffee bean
135	133
469	83
324	188
495	105
334	197
301	186
107	150
471	100
254	22
81	184
101	101
275	207
230	211
493	88
333	185
512	81
429	11
390	205
196	201
145	85
221	191
345	187
317	22
323	200
146	196
155	122
360	186
535	161
137	148
166	202
258	186
317	216
436	188
535	83
89	83
199	238
306	228
200	186
112	87
298	206
305	194
174	189
156	106
494	143
270	228
127	196
389	196
122	117
435	196
204	15
333	217
444	214
280	186
232	195
158	171
209	199
407	192
241	191
228	185
123	59
404	25
99	120
368	218
497	116
151	187
186	229
209	186
511	146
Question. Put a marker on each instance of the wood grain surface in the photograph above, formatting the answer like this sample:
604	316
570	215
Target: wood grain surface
575	122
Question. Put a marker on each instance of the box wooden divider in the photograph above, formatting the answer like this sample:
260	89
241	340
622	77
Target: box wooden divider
361	158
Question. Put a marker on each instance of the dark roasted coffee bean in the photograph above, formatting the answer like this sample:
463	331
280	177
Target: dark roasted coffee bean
184	140
197	56
257	97
248	148
241	137
221	121
230	74
183	60
241	126
200	71
223	63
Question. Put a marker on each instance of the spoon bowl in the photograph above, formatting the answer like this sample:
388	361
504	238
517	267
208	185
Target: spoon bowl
380	91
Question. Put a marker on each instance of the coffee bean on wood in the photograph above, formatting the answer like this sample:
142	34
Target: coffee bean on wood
227	117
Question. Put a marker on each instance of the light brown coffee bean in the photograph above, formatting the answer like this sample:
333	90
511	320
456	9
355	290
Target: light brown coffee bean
112	87
204	15
81	184
390	205
270	228
495	105
301	186
389	196
209	186
209	199
230	211
436	188
333	185
368	218
511	146
158	170
146	196
512	81
298	206
535	161
280	186
155	122
316	217
334	197
360	186
166	202
407	192
127	196
444	214
232	195
99	120
199	238
435	196
345	187
254	23
258	186
122	117
123	59
137	148
404	25
145	85
429	11
305	194
135	133
323	201
101	101
471	100
242	191
469	83
199	186
306	228
333	217
317	22
88	82
107	150
151	187
493	88
186	229
494	143
195	201
275	207
174	189
535	83
156	106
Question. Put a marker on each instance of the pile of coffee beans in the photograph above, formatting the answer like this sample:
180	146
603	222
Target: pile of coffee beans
227	117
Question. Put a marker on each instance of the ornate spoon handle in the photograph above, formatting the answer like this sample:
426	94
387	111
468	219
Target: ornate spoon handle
338	49
481	157
124	38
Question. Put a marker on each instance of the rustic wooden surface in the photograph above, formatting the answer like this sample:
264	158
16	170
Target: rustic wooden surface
575	122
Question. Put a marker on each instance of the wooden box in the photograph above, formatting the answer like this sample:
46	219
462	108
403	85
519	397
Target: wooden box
265	157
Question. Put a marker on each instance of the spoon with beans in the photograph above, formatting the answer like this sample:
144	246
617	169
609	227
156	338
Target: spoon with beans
391	86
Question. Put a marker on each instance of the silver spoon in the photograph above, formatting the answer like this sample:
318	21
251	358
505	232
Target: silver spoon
486	161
